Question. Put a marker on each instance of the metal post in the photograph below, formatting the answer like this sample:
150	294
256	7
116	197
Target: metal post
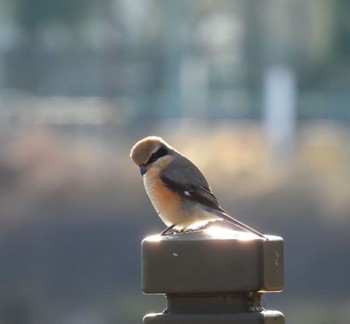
212	277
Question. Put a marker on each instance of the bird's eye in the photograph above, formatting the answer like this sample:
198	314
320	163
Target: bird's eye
158	154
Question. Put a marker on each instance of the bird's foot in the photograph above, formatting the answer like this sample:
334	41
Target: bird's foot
169	230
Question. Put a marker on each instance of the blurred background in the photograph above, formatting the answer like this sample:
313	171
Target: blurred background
263	85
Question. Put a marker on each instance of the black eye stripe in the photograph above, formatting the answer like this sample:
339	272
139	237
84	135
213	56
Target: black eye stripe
158	154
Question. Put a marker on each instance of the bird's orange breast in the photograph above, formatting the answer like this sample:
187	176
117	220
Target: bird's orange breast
167	203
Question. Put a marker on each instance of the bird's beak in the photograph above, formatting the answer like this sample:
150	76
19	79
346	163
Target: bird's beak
143	169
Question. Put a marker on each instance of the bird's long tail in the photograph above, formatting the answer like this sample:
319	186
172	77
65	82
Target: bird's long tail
227	218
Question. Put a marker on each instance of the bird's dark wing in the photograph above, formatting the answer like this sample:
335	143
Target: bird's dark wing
183	177
198	194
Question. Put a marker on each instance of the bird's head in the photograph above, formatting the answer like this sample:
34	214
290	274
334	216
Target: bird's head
150	151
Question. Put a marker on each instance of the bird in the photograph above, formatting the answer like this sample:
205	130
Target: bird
177	188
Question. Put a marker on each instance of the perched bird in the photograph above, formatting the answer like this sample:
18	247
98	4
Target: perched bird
177	188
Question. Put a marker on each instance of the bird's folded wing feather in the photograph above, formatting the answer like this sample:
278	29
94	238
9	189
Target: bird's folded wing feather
183	177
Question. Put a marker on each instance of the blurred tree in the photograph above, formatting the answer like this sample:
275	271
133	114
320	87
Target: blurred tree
342	29
34	14
54	42
151	53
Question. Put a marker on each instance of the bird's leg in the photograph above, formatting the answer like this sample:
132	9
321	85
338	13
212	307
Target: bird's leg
168	230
